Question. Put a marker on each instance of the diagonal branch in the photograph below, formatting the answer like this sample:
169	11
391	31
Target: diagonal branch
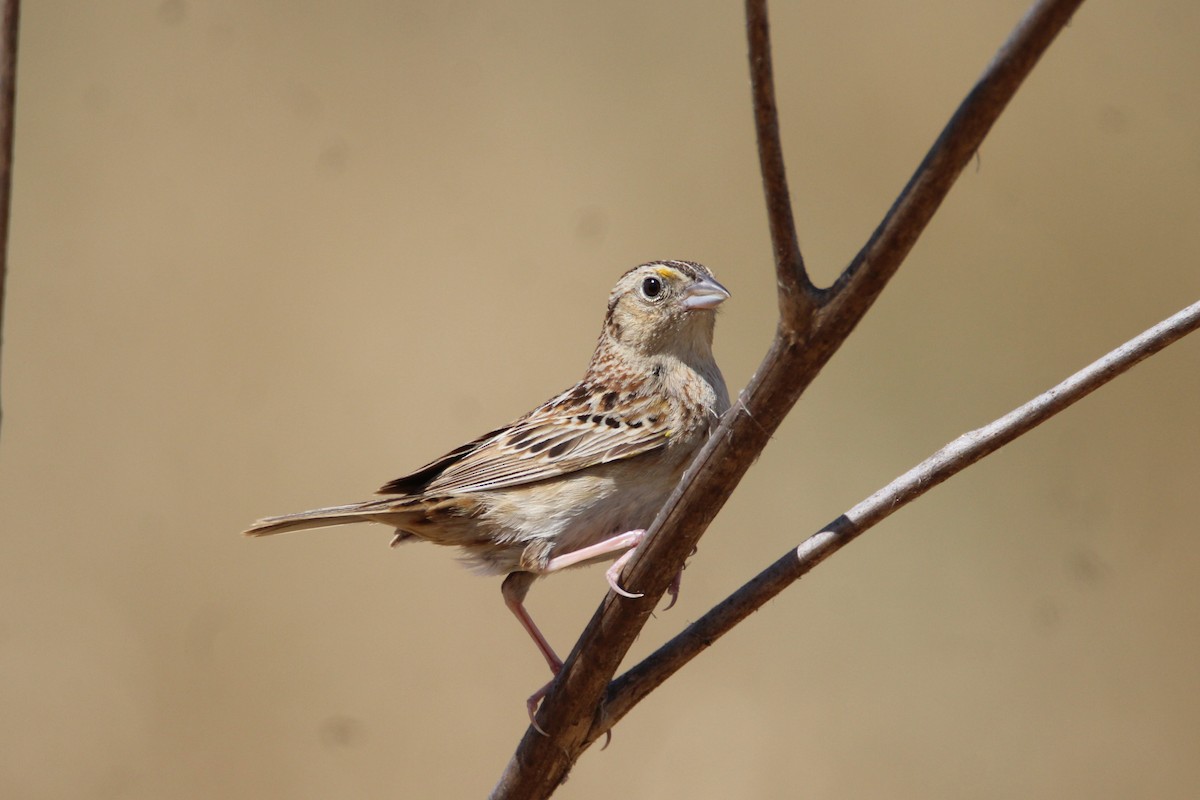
571	712
629	689
862	281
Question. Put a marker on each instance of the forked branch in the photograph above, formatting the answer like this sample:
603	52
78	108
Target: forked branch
813	325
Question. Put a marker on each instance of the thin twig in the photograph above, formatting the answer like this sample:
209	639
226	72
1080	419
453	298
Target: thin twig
570	714
8	94
626	691
796	291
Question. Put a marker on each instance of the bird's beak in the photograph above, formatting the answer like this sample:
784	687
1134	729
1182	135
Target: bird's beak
704	293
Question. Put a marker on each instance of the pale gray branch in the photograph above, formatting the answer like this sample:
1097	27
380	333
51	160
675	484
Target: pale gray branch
626	691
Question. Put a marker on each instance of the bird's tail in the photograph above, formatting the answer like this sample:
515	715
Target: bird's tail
317	518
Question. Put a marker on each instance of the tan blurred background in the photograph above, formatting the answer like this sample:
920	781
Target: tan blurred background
267	256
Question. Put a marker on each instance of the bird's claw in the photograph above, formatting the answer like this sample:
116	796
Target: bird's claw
611	575
676	582
673	590
531	705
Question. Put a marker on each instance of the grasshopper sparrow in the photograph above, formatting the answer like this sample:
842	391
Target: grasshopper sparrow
579	478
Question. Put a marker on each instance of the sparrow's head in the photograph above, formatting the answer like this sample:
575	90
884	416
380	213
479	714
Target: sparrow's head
665	307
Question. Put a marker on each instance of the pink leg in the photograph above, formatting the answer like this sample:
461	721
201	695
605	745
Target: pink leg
514	589
622	541
627	541
517	584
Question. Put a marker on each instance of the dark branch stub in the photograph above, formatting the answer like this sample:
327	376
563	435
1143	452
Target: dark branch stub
8	92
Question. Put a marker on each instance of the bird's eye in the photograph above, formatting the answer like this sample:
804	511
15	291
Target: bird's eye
652	288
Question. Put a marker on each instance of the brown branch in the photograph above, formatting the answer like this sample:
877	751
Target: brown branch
8	93
571	713
796	292
862	281
626	691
